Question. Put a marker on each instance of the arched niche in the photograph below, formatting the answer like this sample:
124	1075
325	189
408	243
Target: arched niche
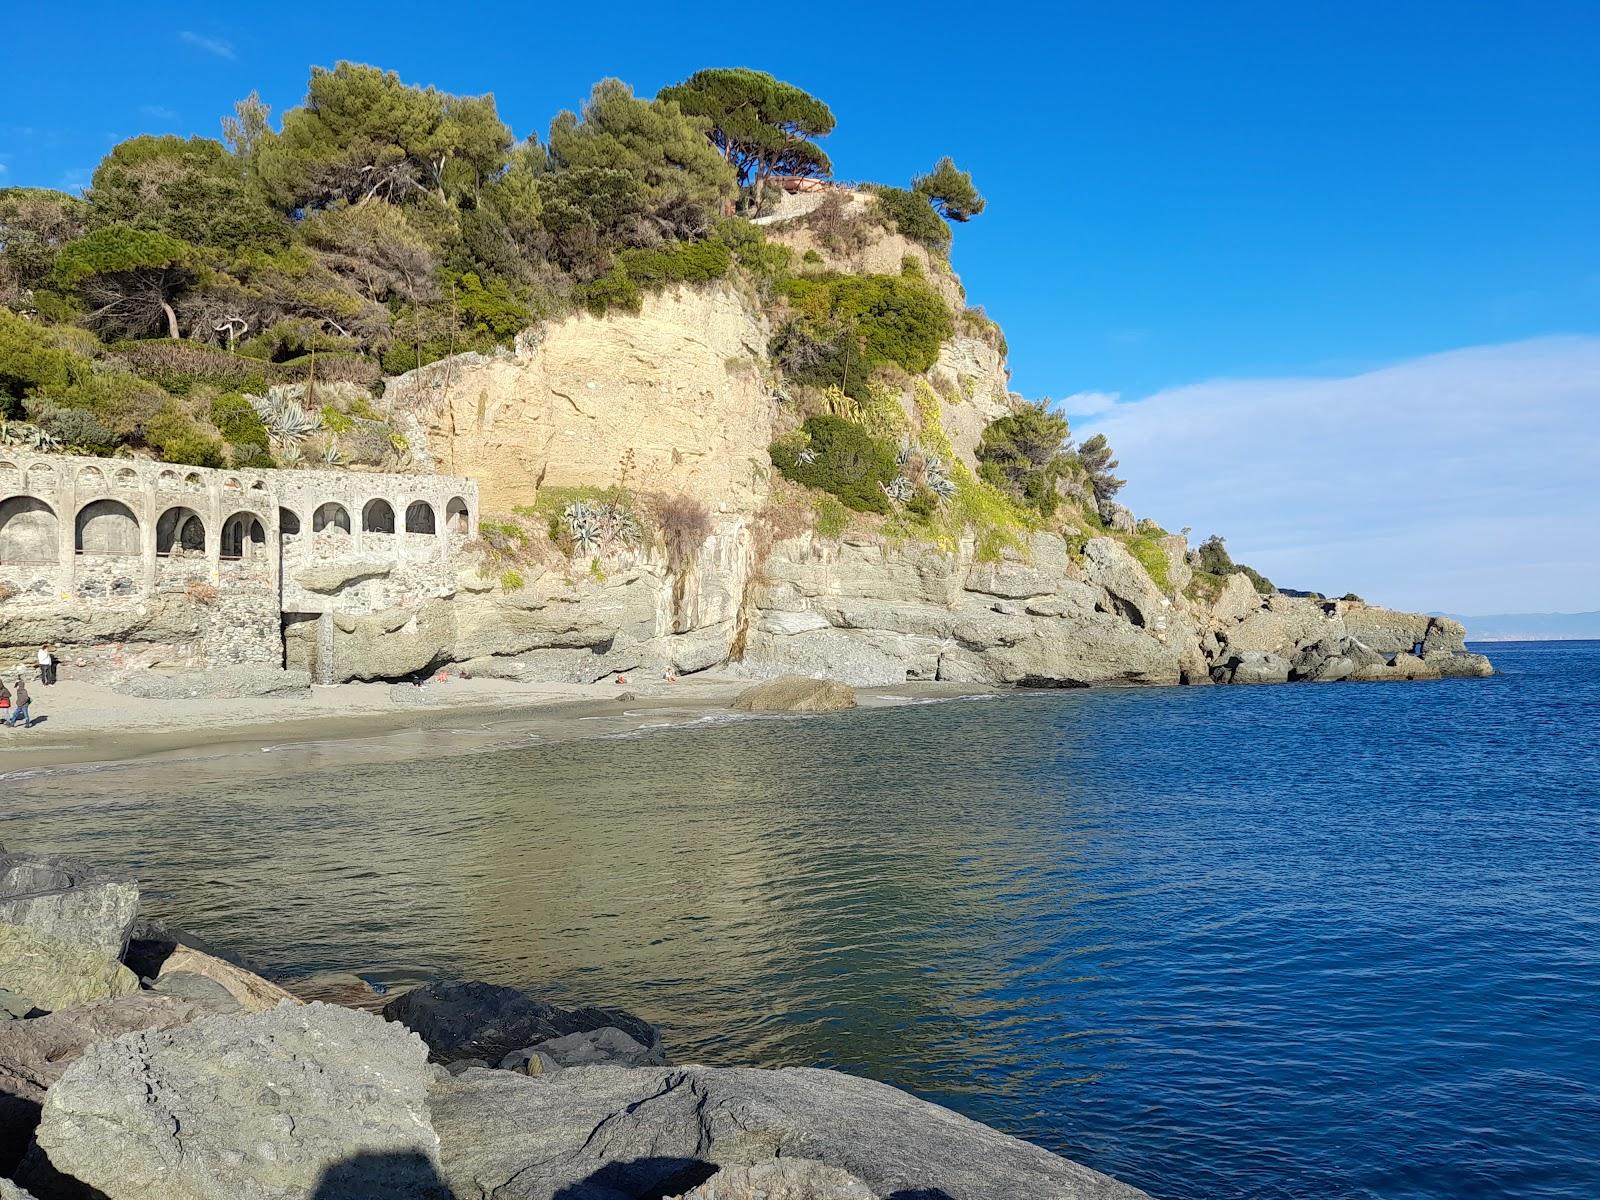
106	527
41	477
377	517
243	537
455	515
91	479
419	517
127	477
331	515
288	522
29	531
180	531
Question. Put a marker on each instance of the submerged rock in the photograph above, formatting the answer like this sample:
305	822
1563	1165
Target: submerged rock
795	693
53	974
486	1021
297	1102
68	901
614	1133
608	1045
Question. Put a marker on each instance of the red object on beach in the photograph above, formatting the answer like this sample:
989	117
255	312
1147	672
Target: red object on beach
441	677
622	679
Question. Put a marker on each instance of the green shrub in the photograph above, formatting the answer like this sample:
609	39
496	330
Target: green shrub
1023	454
510	580
74	428
639	271
177	366
831	517
120	401
177	438
840	457
1152	556
240	425
847	326
33	362
490	311
911	214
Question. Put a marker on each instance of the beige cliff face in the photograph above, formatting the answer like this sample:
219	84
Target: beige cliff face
671	400
885	252
975	371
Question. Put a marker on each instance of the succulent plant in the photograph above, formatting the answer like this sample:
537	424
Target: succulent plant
597	526
285	417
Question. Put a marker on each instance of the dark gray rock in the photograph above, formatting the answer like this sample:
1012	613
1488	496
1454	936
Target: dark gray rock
1456	665
188	985
35	1053
68	901
300	1101
609	1133
1256	666
487	1021
608	1045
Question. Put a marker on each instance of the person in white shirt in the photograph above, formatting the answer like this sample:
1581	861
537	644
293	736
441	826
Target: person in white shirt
47	666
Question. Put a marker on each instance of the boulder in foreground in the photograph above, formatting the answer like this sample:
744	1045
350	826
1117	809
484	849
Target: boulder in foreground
796	693
300	1101
615	1133
782	1179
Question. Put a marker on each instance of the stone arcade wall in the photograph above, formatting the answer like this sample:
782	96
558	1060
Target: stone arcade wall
90	548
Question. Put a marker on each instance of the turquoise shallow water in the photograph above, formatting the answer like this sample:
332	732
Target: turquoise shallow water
1305	941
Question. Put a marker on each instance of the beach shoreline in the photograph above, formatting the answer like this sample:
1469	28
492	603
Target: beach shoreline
83	724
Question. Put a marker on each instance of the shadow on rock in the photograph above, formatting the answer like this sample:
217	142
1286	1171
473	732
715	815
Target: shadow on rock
640	1179
377	1175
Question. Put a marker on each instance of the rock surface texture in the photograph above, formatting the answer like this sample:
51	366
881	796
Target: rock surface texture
68	901
782	1179
53	975
795	693
610	1133
270	1106
35	1053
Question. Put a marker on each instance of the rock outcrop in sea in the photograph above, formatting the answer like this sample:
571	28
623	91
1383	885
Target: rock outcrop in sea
206	1081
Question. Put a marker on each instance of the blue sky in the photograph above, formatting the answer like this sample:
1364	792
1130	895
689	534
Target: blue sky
1179	194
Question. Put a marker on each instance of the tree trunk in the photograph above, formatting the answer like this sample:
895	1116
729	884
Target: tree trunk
172	322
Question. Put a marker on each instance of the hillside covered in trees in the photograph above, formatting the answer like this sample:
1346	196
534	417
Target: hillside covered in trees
241	301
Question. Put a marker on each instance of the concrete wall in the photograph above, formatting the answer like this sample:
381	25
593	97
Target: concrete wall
244	543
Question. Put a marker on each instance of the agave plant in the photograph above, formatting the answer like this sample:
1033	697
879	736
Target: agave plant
330	454
918	470
900	489
285	417
596	526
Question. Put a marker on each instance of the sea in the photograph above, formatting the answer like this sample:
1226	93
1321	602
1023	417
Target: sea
1307	942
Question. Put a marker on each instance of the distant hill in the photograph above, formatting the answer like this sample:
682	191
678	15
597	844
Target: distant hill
1530	627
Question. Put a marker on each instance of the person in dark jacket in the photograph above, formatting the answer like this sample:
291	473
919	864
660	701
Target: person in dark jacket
19	707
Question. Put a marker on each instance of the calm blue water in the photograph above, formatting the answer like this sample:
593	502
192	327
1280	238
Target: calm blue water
1307	941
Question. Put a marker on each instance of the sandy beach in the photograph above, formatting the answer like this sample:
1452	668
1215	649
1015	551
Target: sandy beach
78	723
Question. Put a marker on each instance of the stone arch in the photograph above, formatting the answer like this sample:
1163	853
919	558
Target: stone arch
10	476
106	527
331	515
288	521
29	531
41	477
194	482
259	485
180	531
91	478
168	481
243	536
455	515
377	517
126	477
232	484
419	517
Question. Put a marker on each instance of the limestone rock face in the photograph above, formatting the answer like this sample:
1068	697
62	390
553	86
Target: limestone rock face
261	1107
795	693
669	400
328	577
221	683
53	974
782	1179
10	1191
528	1139
35	1053
68	901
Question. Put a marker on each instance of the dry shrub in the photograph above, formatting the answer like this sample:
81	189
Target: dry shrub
836	227
7	592
684	524
202	593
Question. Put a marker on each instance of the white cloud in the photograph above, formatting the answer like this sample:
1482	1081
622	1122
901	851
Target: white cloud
157	112
210	45
1089	404
1463	481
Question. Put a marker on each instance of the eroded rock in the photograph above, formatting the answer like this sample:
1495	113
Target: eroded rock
54	974
68	901
795	693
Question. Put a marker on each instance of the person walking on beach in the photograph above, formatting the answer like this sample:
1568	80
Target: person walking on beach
19	711
47	665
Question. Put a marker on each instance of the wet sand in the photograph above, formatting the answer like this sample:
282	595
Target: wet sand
82	724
